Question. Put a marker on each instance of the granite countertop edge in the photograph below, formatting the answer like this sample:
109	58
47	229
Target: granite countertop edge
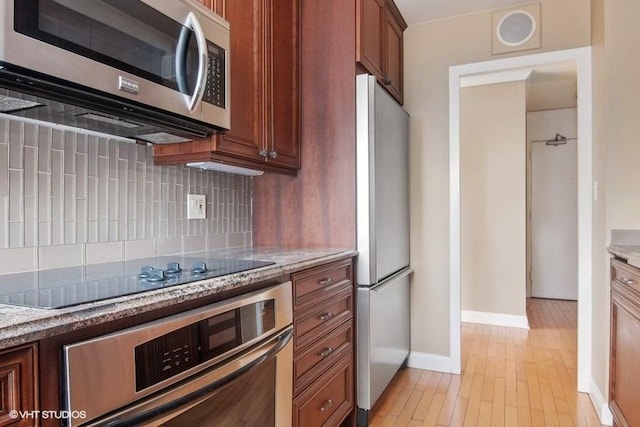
21	325
630	253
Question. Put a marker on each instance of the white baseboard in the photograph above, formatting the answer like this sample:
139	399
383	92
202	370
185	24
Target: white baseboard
496	319
600	404
430	362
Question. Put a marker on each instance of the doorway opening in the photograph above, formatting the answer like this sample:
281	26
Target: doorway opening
501	69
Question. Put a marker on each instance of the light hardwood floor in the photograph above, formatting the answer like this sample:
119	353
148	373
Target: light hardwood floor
510	377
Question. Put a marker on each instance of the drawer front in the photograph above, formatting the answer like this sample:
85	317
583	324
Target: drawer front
625	275
310	324
317	283
330	400
310	363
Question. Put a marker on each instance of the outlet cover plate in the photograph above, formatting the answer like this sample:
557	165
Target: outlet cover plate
196	206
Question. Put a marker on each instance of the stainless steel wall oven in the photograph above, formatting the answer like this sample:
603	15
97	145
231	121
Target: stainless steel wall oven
225	364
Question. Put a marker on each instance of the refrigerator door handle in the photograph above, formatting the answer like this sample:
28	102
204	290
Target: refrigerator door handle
380	286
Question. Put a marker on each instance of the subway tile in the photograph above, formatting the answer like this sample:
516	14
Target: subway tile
30	171
44	149
81	220
82	145
216	241
92	149
16	196
97	253
16	145
70	232
69	152
169	246
4	222
44	194
57	175
69	198
30	134
4	130
57	139
44	233
18	260
30	221
92	198
92	232
113	231
81	175
60	256
57	221
16	234
134	249
235	240
4	170
195	243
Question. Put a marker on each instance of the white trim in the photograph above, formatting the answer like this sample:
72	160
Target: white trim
496	319
600	404
430	362
491	78
582	58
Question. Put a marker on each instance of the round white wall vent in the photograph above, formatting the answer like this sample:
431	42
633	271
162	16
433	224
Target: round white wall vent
516	28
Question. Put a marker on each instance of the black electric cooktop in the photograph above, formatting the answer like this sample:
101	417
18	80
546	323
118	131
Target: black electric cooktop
64	287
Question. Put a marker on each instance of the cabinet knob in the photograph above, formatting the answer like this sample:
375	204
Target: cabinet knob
386	81
326	316
327	351
273	154
263	153
328	404
326	281
627	281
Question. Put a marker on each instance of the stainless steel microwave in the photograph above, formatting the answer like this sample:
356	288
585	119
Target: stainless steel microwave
153	70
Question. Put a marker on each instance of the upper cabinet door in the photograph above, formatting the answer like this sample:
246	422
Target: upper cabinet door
370	17
283	83
394	60
265	91
379	28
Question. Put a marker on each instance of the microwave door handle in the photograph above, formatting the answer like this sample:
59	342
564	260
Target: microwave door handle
191	23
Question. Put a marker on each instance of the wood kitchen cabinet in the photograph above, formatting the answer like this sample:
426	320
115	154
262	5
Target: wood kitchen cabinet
265	91
18	386
379	38
624	369
323	363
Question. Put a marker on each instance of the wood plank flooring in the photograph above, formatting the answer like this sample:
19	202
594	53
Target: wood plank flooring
510	377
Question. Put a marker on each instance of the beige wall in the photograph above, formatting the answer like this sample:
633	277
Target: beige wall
430	49
493	198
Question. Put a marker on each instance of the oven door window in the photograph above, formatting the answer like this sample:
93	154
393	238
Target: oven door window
248	401
127	35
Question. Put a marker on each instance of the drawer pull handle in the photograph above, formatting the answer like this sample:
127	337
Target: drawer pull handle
327	405
326	281
627	281
327	351
326	316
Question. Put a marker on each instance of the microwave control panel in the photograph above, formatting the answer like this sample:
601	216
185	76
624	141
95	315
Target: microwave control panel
215	89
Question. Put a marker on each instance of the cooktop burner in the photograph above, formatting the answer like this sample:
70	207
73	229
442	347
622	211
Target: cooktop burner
65	287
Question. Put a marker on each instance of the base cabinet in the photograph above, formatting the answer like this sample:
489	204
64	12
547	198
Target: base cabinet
624	369
18	387
323	358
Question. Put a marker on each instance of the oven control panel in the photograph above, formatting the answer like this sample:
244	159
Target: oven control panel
175	352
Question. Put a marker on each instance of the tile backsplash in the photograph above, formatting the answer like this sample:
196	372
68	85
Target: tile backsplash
70	197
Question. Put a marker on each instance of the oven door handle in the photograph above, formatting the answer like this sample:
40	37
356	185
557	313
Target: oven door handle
193	391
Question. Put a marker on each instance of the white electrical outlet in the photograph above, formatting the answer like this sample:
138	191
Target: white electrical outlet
196	206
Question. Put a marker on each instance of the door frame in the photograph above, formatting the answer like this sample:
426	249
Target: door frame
497	68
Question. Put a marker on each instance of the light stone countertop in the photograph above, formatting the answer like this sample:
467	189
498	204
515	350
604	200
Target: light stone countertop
20	325
630	253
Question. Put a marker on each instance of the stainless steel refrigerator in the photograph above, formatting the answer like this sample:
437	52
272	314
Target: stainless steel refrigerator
383	271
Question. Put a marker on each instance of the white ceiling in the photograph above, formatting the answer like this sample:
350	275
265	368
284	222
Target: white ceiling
415	11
